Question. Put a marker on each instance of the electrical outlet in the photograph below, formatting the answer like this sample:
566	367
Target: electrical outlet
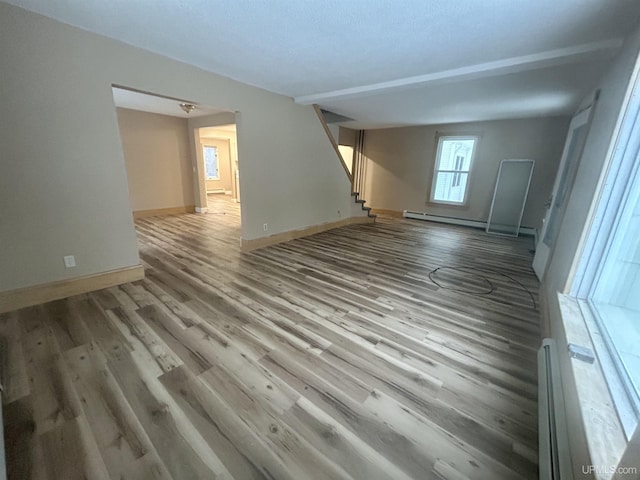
265	226
69	261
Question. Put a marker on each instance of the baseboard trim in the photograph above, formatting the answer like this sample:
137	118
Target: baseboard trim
382	212
47	292
529	231
254	244
157	212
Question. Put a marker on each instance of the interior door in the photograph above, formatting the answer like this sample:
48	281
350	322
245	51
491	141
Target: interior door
556	205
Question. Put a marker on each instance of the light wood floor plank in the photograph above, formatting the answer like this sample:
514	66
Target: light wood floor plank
118	433
15	381
70	452
330	356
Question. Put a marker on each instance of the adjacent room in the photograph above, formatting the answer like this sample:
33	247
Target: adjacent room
166	154
385	242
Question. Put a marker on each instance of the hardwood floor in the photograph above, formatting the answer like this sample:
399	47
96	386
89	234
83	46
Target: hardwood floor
332	356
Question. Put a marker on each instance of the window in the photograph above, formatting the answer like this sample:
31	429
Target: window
615	293
457	168
608	276
211	162
453	164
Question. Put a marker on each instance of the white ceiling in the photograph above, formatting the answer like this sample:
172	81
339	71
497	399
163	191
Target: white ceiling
152	103
381	62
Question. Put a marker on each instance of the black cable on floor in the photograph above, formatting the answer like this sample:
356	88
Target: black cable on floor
489	291
433	272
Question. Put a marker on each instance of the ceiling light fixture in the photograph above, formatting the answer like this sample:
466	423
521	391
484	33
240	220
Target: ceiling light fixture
188	107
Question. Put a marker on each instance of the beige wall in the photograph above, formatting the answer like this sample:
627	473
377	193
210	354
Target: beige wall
335	131
67	193
347	136
400	164
576	222
157	159
346	140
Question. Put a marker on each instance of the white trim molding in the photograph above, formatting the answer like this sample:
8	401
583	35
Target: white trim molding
529	231
47	292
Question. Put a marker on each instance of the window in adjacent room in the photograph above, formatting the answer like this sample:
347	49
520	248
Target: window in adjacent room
211	162
453	165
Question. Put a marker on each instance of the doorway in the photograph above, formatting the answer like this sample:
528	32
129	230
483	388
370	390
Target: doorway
217	161
217	165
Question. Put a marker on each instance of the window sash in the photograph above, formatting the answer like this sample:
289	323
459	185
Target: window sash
627	401
211	162
602	246
599	299
460	178
453	171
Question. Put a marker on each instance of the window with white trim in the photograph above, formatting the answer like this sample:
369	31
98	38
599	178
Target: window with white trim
615	293
211	168
454	158
608	276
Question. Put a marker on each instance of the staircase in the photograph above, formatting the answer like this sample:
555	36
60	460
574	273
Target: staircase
356	172
358	209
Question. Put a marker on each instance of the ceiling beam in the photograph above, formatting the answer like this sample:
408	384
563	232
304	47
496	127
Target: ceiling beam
549	58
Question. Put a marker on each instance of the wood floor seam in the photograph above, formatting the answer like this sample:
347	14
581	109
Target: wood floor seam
330	356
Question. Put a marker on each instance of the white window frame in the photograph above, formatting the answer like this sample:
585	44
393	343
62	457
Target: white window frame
204	158
625	396
441	138
617	177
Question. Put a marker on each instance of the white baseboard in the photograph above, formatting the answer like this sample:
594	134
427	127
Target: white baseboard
202	210
461	221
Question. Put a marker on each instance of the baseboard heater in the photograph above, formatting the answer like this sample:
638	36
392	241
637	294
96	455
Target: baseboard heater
459	221
553	439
